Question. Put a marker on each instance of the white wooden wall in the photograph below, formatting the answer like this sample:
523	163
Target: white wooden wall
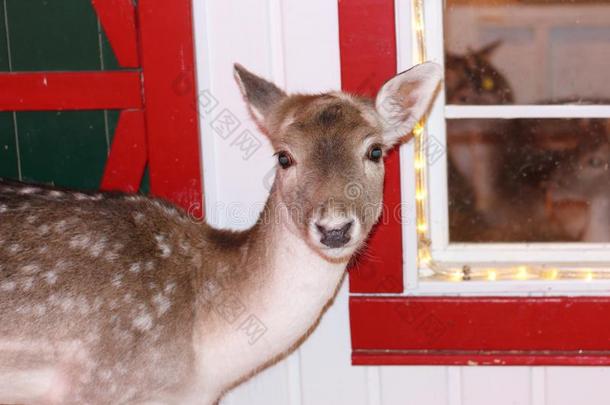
295	43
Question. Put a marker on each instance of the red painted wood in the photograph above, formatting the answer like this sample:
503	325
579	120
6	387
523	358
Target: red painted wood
509	325
167	55
127	159
524	358
368	58
69	91
118	19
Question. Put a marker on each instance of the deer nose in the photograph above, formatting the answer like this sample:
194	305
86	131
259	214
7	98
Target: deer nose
335	237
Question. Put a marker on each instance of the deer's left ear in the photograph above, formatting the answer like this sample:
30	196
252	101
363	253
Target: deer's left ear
404	99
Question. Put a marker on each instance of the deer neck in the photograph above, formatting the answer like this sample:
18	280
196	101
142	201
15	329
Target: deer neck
284	288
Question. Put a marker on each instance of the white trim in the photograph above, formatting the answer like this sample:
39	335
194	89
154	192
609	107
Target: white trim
552	253
293	369
514	288
276	40
373	386
208	140
527	111
404	57
454	385
538	386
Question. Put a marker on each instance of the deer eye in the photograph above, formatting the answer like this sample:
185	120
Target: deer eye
285	160
375	153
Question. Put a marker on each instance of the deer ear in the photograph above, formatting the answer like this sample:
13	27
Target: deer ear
404	99
262	96
486	51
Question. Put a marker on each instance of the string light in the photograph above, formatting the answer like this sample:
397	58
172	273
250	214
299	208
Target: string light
521	273
456	276
550	274
492	275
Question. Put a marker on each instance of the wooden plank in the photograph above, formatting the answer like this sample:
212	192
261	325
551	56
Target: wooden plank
451	358
484	330
167	55
118	19
368	58
127	158
43	91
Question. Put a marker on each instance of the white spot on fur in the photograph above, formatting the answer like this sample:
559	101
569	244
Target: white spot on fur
27	283
98	247
135	268
117	280
50	277
81	196
163	246
55	194
14	248
80	241
8	286
29	190
170	287
43	230
30	269
3	208
143	323
162	304
138	217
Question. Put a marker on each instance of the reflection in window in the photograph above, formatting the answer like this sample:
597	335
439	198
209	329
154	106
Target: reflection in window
528	180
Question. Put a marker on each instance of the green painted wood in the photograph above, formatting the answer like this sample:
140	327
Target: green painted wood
8	152
64	148
67	149
53	35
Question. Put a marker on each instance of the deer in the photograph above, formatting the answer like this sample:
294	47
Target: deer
475	146
579	188
125	299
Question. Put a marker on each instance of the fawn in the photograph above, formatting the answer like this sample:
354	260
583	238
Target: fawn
111	298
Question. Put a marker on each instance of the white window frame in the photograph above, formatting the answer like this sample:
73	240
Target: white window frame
581	255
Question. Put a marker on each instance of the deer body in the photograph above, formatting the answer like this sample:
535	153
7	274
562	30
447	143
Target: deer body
110	298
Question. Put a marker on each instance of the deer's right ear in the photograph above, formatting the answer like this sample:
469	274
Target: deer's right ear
262	96
404	99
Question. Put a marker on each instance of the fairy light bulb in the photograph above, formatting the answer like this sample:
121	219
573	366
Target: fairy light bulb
589	276
492	275
422	227
419	164
522	273
550	274
418	129
420	195
456	276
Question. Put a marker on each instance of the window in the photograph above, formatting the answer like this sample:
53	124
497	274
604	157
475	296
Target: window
491	267
513	173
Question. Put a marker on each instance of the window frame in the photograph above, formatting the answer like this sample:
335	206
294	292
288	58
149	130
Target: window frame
390	324
444	252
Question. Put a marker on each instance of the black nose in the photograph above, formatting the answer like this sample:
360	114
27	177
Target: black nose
336	237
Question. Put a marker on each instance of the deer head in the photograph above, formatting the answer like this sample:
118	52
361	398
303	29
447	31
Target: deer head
330	150
472	78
